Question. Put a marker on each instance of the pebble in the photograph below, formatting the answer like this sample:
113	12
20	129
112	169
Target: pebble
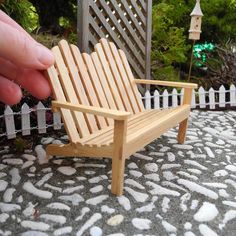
95	231
141	224
151	167
115	220
3	185
35	225
63	231
59	206
67	170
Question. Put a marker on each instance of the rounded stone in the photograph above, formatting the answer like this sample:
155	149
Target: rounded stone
115	220
67	170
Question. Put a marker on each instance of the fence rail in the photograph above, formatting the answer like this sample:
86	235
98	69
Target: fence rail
40	117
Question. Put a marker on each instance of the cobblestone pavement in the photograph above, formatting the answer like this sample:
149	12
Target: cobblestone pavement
170	189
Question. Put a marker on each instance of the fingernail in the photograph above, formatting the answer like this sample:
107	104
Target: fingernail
45	56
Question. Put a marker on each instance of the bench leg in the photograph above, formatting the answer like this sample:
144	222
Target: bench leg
118	157
182	131
184	124
118	168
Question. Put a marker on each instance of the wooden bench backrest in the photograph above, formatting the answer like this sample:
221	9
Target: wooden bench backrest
102	79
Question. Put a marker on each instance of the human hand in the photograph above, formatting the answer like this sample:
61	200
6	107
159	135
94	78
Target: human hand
21	59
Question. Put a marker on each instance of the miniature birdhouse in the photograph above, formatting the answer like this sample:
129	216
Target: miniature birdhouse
196	21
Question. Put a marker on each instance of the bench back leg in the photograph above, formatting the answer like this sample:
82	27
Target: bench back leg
182	131
184	124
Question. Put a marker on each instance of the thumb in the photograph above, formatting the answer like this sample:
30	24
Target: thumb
23	51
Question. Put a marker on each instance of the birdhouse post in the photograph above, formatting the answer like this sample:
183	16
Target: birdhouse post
195	30
196	22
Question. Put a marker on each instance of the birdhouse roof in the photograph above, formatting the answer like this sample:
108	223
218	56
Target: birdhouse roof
197	9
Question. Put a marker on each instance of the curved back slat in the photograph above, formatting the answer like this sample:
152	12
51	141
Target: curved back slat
59	95
128	84
116	75
75	78
69	91
109	77
87	84
130	77
100	93
102	79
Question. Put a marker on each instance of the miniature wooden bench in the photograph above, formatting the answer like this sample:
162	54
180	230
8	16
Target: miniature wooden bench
102	109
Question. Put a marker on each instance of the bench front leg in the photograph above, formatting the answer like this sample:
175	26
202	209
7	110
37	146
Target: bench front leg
118	157
188	92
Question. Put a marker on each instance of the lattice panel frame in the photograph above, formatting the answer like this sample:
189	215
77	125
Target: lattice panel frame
127	23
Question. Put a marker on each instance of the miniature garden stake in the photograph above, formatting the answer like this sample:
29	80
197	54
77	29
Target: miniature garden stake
195	29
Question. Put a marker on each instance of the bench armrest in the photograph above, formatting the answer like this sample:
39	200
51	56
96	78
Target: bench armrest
166	83
113	114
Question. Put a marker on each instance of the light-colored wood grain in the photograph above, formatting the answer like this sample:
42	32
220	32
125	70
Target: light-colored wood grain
105	86
131	80
69	91
99	93
184	124
85	78
109	77
107	134
133	124
118	157
69	150
77	83
124	79
66	114
154	130
167	83
114	114
116	75
126	23
107	119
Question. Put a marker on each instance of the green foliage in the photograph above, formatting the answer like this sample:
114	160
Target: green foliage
21	11
20	144
169	47
218	21
55	16
171	22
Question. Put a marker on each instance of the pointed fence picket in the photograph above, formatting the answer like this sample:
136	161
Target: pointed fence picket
211	99
57	121
156	99
41	113
41	118
202	97
10	123
147	101
222	96
232	95
193	104
174	98
165	96
25	119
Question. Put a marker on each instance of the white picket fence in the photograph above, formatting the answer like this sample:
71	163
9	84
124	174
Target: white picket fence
201	99
40	111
